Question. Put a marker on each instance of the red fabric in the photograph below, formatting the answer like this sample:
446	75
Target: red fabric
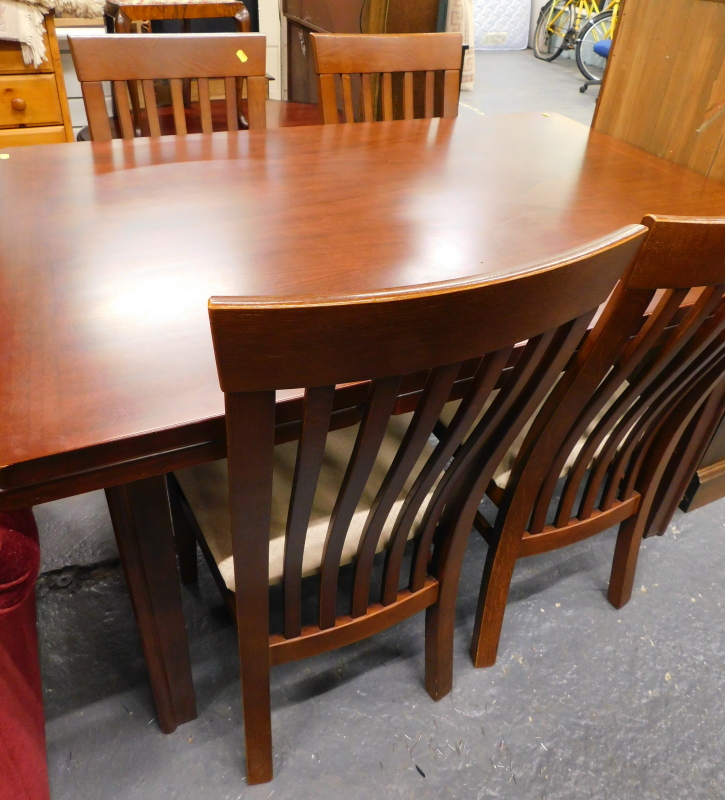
23	771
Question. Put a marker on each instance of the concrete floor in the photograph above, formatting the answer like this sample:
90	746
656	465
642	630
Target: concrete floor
585	701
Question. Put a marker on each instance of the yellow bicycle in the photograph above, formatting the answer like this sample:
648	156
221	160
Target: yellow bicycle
559	24
593	44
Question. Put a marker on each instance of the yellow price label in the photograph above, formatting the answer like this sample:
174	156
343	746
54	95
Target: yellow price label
4	155
242	56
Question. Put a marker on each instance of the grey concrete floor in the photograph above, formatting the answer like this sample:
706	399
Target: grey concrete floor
584	702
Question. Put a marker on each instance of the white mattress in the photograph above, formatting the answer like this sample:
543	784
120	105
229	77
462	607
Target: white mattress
501	24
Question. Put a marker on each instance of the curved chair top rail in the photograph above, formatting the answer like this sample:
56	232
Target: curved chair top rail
128	56
275	343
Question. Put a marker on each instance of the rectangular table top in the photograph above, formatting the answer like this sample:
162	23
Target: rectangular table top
109	252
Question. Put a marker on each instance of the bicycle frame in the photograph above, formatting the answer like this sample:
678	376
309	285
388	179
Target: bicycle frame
586	8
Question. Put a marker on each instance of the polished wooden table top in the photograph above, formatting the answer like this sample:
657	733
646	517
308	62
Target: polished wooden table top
109	252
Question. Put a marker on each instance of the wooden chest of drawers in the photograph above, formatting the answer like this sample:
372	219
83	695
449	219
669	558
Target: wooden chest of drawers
33	102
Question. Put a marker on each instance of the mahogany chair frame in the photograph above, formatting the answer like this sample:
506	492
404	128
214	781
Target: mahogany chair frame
265	344
124	59
385	55
644	383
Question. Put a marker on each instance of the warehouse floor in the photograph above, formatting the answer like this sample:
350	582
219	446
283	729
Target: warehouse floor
584	702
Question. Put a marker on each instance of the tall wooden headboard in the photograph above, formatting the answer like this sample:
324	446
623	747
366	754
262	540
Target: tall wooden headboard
664	89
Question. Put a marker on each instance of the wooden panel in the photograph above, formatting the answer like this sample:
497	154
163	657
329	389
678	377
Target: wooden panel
37	94
13	137
665	85
412	16
11	59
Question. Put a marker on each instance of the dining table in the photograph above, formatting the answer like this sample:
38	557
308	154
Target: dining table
110	251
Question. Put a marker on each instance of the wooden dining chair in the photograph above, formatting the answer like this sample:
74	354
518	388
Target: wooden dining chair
342	493
367	67
607	446
127	60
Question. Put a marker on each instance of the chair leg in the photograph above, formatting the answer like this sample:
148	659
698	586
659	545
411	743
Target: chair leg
256	700
440	618
183	535
439	650
495	583
624	564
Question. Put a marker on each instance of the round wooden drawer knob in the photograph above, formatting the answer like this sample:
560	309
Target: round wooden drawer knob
18	103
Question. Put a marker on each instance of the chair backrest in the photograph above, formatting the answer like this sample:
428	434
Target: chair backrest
131	62
358	60
463	331
614	420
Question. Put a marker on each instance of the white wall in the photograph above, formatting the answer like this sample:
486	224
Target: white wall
270	23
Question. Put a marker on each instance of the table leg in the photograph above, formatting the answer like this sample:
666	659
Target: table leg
142	523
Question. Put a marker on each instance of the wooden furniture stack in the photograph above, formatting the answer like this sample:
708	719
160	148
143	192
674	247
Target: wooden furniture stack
664	92
33	103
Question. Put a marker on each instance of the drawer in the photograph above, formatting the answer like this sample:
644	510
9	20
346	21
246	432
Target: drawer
13	137
29	100
11	59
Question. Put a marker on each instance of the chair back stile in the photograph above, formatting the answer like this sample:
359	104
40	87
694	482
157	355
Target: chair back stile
266	344
133	62
368	65
597	450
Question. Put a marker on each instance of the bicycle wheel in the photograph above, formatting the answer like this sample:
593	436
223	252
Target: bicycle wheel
596	30
555	21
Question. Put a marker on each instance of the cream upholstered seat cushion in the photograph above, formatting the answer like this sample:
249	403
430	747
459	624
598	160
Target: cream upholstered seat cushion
502	473
206	490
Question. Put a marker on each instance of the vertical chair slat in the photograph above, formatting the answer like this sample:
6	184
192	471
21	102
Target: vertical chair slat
250	450
383	393
542	360
408	96
534	351
387	96
483	383
429	93
347	98
230	99
622	423
435	394
177	103
120	95
655	401
328	99
631	355
315	425
205	105
257	102
95	103
451	82
368	115
152	113
686	458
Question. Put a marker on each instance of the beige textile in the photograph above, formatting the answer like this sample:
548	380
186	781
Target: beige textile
459	19
173	2
23	22
502	472
206	489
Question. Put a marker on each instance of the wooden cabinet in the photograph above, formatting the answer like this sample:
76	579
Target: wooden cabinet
33	102
345	16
